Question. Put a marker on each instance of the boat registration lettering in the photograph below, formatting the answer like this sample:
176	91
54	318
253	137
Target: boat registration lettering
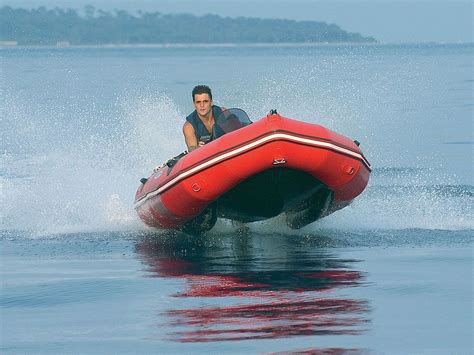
157	173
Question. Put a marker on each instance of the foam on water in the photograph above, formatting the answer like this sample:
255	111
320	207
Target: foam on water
88	184
156	132
74	165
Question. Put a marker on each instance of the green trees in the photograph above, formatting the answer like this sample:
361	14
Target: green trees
43	26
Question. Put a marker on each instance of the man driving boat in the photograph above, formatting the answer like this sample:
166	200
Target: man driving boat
199	124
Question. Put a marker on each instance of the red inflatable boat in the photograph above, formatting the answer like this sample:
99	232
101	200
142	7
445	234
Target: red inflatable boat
254	171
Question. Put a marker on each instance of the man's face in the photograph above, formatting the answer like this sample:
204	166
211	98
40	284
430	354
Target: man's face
203	104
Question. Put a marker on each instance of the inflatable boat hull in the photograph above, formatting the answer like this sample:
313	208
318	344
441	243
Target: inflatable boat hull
273	166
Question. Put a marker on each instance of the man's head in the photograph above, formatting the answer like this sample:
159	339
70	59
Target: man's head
202	100
202	89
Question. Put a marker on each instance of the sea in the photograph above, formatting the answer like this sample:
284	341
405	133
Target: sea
80	274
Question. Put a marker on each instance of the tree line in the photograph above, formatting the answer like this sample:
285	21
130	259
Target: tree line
42	26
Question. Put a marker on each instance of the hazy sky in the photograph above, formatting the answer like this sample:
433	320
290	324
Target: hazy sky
386	20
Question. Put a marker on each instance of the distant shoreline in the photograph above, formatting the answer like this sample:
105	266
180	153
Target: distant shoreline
189	45
65	27
226	45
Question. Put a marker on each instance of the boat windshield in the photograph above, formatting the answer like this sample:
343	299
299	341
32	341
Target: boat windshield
230	120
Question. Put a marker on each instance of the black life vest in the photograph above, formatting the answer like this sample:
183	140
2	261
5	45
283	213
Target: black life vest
199	127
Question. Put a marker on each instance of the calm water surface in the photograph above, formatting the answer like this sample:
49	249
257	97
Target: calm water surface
80	274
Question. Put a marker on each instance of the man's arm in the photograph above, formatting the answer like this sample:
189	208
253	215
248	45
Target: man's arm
190	137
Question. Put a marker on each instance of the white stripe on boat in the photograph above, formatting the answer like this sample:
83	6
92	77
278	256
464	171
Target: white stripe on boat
244	148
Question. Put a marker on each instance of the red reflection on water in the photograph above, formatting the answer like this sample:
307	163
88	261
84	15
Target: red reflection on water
279	319
274	302
329	351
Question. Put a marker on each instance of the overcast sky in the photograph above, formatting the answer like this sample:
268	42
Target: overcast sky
387	20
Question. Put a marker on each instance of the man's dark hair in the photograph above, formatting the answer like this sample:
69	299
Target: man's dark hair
202	89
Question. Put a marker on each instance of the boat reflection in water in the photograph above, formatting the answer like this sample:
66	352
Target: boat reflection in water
256	286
